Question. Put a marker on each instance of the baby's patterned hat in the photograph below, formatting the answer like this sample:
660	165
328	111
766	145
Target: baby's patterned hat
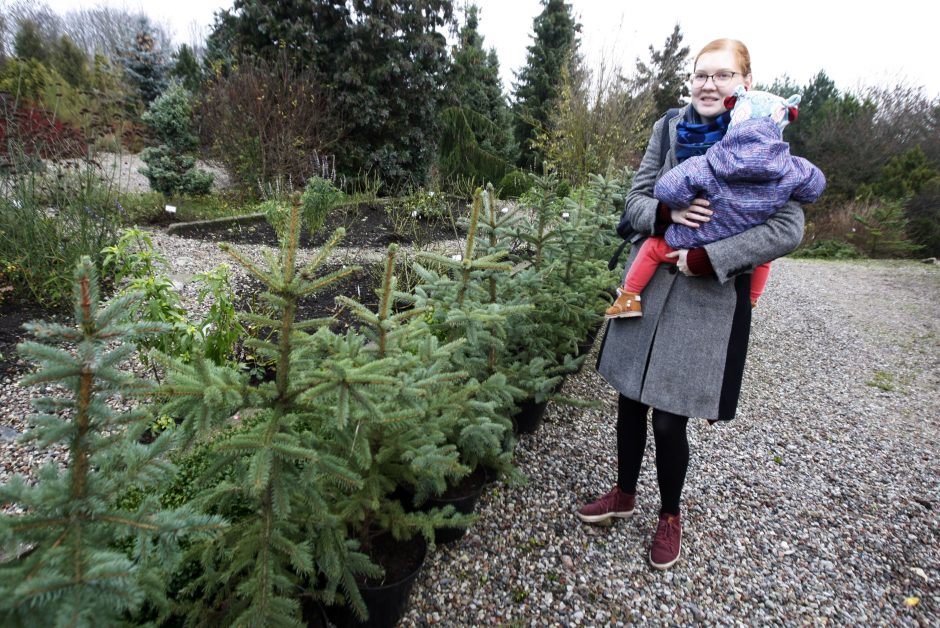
750	105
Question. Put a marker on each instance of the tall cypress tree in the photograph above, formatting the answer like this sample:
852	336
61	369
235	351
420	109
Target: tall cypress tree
554	45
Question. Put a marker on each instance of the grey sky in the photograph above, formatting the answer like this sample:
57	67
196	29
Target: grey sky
856	46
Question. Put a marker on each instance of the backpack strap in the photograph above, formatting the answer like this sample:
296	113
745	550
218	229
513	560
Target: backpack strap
624	229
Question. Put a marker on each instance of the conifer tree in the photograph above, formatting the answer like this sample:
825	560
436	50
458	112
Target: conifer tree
476	136
82	560
30	43
275	480
665	75
554	45
70	61
145	63
171	166
464	302
186	68
383	62
464	411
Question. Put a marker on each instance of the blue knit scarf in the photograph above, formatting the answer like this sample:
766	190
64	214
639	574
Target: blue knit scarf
694	137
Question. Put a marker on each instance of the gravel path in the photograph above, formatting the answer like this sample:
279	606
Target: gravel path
818	503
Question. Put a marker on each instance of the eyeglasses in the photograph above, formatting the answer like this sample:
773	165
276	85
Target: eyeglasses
720	79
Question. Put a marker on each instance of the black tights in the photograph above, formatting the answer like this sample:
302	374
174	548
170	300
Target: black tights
672	450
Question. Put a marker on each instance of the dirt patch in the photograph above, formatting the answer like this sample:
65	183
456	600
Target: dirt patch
360	286
12	317
367	226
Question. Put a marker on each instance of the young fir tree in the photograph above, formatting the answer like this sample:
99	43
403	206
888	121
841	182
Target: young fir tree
275	480
529	357
464	411
554	45
81	559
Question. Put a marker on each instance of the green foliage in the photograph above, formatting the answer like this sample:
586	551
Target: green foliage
70	62
923	214
476	134
26	77
384	64
553	47
30	43
665	76
47	224
186	69
169	169
464	134
902	177
318	198
828	249
137	267
882	230
220	329
69	566
514	184
277	480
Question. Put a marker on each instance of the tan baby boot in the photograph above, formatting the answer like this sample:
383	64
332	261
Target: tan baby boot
627	305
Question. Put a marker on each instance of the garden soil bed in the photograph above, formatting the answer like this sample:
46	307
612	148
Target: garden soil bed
12	317
366	226
360	285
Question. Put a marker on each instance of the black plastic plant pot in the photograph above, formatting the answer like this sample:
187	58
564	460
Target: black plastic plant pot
387	601
463	498
529	417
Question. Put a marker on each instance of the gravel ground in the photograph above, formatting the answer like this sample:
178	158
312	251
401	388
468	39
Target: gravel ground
817	504
123	169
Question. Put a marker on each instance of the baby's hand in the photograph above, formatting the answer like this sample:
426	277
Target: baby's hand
693	215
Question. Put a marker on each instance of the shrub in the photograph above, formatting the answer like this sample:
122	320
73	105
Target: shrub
47	224
514	184
170	169
267	120
882	228
828	249
923	214
318	198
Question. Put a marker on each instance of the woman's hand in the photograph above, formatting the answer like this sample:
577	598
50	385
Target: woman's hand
682	261
693	215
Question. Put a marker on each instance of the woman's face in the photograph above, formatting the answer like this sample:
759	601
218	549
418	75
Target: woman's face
709	99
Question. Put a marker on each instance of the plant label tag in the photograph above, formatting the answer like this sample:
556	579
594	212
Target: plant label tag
170	209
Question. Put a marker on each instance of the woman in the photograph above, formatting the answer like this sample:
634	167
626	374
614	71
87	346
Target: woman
685	356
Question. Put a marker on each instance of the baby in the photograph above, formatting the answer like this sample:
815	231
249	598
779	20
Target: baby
746	176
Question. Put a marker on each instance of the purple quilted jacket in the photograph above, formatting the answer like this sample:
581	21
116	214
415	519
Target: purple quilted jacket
746	177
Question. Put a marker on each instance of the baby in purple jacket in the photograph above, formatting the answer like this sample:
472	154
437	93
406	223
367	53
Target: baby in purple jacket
746	176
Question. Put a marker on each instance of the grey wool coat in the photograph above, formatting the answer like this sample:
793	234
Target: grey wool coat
686	354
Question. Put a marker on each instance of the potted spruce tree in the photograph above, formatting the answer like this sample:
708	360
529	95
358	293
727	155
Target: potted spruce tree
76	555
465	411
307	481
461	300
